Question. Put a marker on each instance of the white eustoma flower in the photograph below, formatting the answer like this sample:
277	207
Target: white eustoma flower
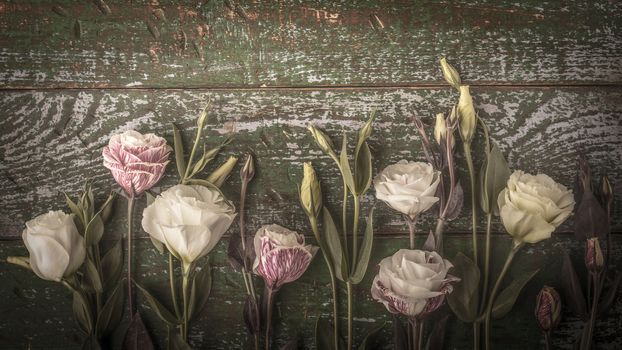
408	187
189	220
413	282
56	248
533	206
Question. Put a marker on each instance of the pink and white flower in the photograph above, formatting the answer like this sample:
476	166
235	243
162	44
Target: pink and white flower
137	161
281	255
413	282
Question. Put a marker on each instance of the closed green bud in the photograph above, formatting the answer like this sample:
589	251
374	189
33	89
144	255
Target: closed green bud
203	117
606	191
466	113
440	128
311	192
450	74
322	140
221	174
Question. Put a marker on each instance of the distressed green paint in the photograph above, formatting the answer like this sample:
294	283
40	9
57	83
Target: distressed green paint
51	141
306	43
39	312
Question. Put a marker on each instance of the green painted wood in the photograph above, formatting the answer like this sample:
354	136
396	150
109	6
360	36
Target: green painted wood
76	44
38	313
51	141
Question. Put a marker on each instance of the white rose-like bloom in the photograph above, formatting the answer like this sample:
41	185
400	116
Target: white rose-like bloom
533	206
408	187
413	282
281	255
189	220
56	248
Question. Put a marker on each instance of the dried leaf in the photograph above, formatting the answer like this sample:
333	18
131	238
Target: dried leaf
137	336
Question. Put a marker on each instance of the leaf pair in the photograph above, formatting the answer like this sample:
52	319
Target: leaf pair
337	251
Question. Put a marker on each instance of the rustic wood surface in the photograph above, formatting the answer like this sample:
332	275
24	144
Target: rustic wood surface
39	313
257	43
546	77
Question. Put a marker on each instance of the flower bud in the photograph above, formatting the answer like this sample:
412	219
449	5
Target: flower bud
440	128
310	192
594	260
221	174
606	192
450	74
366	130
203	117
248	169
322	140
548	309
466	113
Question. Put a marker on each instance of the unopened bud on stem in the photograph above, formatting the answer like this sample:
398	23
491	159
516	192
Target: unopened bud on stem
548	309
311	192
594	260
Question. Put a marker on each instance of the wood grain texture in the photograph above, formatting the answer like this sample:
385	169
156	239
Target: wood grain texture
52	141
72	44
38	313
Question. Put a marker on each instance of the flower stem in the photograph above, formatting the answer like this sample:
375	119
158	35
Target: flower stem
469	160
194	149
547	340
476	335
350	332
486	260
269	302
438	235
344	216
185	291
333	282
586	341
417	334
171	278
515	248
130	229
411	231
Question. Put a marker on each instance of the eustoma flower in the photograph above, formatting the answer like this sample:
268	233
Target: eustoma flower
532	206
281	255
56	248
137	161
413	283
189	220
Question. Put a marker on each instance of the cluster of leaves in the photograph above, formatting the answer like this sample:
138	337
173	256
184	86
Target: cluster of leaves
97	293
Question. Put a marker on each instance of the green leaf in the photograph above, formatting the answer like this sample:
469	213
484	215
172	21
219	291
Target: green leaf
159	309
107	208
81	313
465	297
179	152
94	231
571	286
208	156
344	165
400	337
112	265
495	175
74	207
367	343
506	299
137	336
200	291
335	248
365	251
111	313
175	342
93	275
363	170
324	335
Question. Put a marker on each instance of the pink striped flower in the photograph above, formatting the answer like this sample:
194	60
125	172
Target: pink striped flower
281	255
137	161
413	283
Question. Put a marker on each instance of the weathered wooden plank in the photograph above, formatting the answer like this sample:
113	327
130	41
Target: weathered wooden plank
38	313
51	141
65	43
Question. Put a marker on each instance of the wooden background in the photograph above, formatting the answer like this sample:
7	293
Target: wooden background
545	76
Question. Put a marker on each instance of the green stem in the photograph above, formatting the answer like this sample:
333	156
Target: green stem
438	235
586	342
130	229
411	231
171	278
515	248
355	228
486	261
350	328
416	333
185	291
333	282
547	341
420	335
269	318
469	160
194	149
476	335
